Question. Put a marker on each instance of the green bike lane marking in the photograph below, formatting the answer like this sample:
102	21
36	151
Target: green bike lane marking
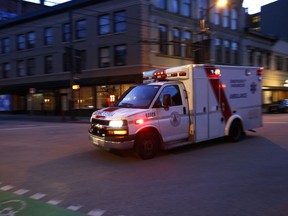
17	205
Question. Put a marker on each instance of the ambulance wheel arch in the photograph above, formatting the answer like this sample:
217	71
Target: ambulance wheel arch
147	143
234	128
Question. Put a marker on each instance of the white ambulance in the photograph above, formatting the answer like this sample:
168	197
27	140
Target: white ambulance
179	106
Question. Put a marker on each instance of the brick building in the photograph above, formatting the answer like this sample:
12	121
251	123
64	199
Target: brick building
101	48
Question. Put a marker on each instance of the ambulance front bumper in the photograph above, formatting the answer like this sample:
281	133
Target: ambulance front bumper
112	143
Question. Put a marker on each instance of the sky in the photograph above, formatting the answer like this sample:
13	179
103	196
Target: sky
252	5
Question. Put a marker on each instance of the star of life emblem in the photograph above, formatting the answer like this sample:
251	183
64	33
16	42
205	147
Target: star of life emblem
175	119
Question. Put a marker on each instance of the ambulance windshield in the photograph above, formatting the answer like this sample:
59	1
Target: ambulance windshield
138	97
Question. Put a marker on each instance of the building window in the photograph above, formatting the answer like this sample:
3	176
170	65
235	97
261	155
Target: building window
120	21
163	39
234	19
104	57
268	60
251	57
21	70
174	6
217	16
48	64
120	55
176	42
225	18
31	66
235	54
6	68
186	8
66	65
31	40
107	94
84	98
66	32
80	60
218	50
187	46
80	29
259	59
227	51
21	45
279	63
103	24
48	36
162	4
5	45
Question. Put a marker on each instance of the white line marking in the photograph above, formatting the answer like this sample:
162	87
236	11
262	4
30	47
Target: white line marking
37	196
21	191
54	202
6	188
74	208
96	212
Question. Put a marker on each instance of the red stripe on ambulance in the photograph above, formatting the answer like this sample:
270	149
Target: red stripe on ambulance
214	79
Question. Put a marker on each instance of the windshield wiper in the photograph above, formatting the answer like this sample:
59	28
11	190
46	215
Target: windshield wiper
126	105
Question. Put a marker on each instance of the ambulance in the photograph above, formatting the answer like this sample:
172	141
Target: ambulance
179	106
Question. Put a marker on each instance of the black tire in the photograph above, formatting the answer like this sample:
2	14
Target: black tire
146	145
236	131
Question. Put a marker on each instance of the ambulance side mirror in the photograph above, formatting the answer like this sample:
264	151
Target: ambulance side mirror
167	100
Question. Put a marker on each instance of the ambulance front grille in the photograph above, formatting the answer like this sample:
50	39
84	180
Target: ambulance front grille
100	122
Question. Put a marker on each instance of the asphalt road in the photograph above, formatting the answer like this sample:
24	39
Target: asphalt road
214	178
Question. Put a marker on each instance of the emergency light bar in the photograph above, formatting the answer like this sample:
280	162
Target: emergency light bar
163	75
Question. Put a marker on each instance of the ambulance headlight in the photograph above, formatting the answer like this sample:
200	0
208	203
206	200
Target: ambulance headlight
117	123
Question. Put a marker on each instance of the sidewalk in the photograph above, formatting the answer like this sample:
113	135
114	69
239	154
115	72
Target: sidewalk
45	118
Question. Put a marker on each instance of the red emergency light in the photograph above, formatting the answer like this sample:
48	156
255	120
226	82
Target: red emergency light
260	72
159	75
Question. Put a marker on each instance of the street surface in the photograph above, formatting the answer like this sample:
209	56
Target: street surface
53	164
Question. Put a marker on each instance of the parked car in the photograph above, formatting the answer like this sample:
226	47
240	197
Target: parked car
278	106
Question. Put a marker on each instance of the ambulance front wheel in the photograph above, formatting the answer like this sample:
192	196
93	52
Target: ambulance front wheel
146	145
236	131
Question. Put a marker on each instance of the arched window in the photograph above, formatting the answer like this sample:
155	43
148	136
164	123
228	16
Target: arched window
225	18
176	42
234	19
217	16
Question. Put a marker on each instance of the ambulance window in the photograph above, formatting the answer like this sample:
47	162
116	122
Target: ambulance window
175	95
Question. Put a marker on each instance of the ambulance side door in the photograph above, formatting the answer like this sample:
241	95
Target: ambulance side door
173	120
201	109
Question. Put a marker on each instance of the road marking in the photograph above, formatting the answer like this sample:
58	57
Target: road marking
11	207
37	196
96	212
21	191
11	204
74	207
6	188
54	202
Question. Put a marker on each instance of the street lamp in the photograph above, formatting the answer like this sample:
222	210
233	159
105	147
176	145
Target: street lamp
218	4
205	30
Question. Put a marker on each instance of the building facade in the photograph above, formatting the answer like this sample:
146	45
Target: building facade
82	55
268	26
12	8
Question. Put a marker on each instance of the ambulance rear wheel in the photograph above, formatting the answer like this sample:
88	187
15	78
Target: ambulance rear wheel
146	145
236	131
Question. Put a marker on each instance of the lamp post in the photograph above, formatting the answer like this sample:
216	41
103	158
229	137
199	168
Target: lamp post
204	29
